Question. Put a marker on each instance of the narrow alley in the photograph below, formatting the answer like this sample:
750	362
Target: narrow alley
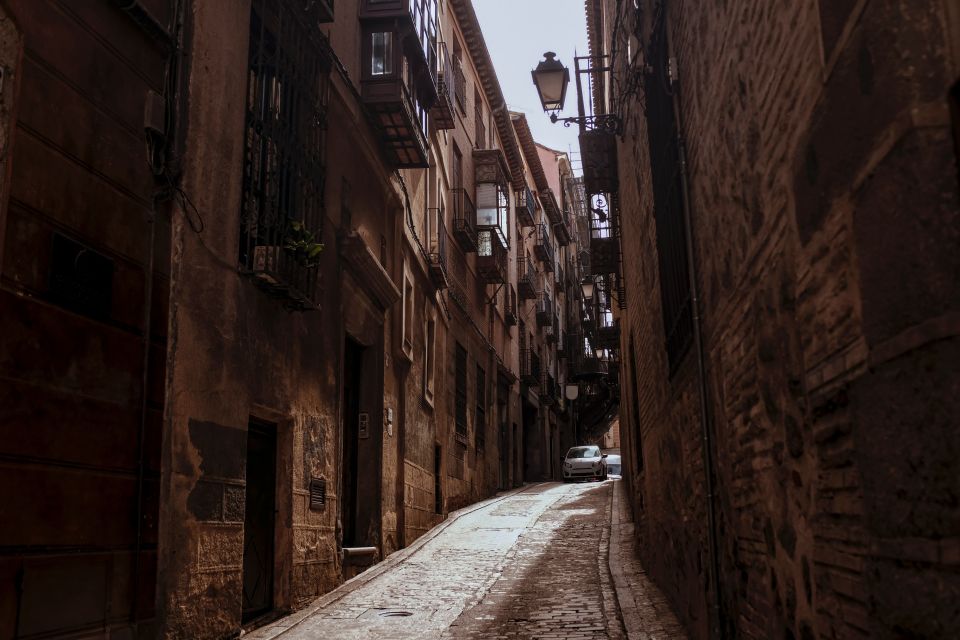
528	563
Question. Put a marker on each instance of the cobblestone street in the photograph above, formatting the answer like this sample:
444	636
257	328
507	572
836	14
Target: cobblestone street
533	564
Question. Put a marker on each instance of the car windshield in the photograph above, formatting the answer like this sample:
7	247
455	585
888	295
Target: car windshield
583	452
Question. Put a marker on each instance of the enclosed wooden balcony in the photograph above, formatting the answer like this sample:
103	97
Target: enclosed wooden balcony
543	247
492	257
438	252
464	219
415	22
526	207
526	279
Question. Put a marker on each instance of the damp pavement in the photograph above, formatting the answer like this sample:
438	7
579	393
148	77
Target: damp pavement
533	563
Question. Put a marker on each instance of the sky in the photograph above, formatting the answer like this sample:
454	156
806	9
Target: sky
517	33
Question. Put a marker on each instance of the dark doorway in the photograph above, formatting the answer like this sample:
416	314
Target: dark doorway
259	519
437	480
352	378
517	471
532	446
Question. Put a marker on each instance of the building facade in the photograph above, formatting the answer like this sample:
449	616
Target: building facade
788	187
263	277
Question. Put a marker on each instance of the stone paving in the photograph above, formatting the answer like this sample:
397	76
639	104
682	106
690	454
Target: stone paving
532	564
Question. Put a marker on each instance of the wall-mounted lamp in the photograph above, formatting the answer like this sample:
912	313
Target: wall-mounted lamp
587	286
551	79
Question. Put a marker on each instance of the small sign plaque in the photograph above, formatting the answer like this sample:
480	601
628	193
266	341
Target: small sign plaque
364	425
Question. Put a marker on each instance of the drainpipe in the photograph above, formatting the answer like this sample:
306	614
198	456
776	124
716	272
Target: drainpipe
706	428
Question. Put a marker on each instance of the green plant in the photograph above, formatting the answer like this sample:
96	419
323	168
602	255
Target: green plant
300	243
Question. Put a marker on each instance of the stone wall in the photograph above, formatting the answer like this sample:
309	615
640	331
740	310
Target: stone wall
824	198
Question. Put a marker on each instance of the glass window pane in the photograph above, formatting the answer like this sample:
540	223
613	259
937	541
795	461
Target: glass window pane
487	210
382	53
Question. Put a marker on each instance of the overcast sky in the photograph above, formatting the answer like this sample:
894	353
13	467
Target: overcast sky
517	33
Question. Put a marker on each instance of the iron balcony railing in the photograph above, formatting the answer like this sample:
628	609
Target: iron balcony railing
438	251
492	257
526	279
510	310
464	219
459	86
544	247
526	207
544	310
529	367
442	112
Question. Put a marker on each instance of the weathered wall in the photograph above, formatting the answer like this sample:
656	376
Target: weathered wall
237	353
81	320
825	204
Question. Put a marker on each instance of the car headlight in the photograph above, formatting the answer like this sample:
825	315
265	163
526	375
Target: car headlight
567	464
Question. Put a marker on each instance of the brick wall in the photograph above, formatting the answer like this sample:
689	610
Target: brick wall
823	190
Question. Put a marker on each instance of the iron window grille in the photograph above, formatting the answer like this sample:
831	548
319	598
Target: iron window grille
667	197
284	171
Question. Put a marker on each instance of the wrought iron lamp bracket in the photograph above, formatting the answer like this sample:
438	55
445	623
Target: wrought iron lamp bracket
609	122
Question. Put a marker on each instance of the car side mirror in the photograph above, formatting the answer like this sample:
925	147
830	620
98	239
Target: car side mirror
604	455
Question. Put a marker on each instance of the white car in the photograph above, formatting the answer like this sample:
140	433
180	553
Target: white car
584	463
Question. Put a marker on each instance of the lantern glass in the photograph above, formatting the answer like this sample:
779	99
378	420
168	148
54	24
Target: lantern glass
551	79
587	287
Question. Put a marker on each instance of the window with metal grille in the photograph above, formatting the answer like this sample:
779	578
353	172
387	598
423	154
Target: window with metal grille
480	417
284	168
460	389
667	198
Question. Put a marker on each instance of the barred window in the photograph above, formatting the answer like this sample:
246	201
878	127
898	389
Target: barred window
284	150
668	201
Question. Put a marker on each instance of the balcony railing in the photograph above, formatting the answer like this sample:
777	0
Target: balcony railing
526	207
608	337
464	219
492	257
459	86
544	310
480	128
526	279
562	229
442	111
529	367
544	247
550	206
549	389
438	251
510	311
